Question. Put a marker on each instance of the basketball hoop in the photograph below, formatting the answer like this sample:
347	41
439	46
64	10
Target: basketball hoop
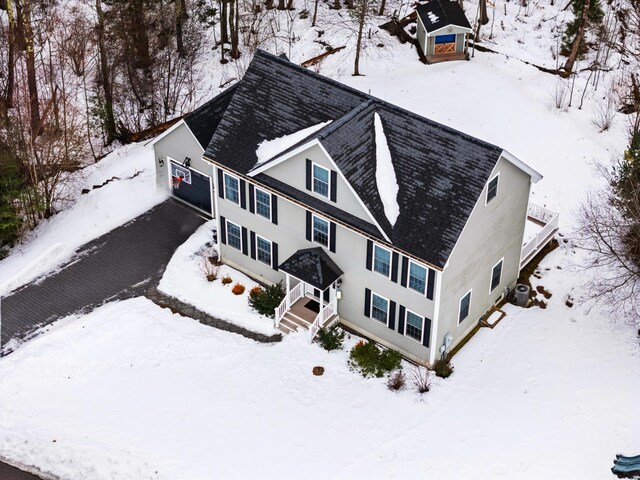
175	182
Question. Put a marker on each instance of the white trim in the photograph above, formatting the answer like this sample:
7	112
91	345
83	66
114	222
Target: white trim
435	32
255	203
534	174
217	213
227	234
224	187
426	277
501	263
313	225
373	260
328	195
278	160
436	317
460	307
173	127
270	250
371	307
406	315
486	194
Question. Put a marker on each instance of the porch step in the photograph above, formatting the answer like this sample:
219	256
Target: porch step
292	322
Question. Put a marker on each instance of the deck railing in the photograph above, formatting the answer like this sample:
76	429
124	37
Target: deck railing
544	236
289	299
325	314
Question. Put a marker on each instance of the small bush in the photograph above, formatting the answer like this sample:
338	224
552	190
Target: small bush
238	289
421	379
209	265
331	339
226	280
265	300
443	368
396	381
371	362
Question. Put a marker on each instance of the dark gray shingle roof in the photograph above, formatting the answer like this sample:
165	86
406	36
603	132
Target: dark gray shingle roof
443	13
204	120
313	266
441	172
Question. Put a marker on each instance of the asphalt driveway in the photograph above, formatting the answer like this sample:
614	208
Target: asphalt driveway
120	264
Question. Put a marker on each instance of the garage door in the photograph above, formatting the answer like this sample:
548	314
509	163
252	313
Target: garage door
194	188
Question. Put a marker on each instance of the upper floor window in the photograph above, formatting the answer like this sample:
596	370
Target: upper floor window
413	326
263	204
381	260
465	304
231	189
417	278
320	231
320	180
263	250
492	188
234	236
496	275
379	308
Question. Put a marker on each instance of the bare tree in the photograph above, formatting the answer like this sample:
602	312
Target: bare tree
105	77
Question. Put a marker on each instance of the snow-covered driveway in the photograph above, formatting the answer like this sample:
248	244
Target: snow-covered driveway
112	265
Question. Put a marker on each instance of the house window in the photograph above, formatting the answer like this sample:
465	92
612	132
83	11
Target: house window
465	303
231	189
182	172
413	326
263	204
263	247
381	260
321	180
379	308
496	275
320	231
417	277
234	235
492	188
445	38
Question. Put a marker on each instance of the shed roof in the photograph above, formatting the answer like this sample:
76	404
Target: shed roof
437	14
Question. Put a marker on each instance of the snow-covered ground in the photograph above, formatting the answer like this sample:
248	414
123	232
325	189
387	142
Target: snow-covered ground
56	239
185	280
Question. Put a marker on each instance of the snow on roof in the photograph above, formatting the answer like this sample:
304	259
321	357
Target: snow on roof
385	174
267	149
433	17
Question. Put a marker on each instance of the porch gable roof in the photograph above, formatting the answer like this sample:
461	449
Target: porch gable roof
312	266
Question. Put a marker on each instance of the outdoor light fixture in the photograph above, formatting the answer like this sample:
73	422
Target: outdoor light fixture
161	161
187	162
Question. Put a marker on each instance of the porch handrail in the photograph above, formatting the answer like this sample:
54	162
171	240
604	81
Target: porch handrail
543	236
325	314
540	213
289	299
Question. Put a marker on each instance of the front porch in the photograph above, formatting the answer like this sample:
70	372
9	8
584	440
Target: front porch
312	292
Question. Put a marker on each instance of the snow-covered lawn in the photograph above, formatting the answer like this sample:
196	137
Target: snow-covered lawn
133	391
56	239
185	280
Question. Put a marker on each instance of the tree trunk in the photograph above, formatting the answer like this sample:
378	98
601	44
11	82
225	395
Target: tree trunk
362	15
350	4
139	35
109	120
577	41
484	17
32	81
234	15
269	5
8	94
224	31
337	5
383	3
315	13
289	4
281	5
181	16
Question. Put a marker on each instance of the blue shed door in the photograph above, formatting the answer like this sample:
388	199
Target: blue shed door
446	38
195	188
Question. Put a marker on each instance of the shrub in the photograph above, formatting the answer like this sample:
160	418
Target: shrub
226	280
238	289
331	339
209	265
443	368
265	300
396	381
420	377
370	361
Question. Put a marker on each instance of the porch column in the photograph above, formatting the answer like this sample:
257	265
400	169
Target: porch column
287	292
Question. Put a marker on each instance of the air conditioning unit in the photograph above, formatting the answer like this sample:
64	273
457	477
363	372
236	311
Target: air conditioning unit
522	295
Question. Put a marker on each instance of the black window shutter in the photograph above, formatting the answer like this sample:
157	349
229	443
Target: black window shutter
369	254
253	245
220	183
245	248
308	174
427	332
274	255
274	208
405	270
334	186
308	225
332	237
394	266
392	315
367	303
431	284
223	230
401	313
243	194
251	198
